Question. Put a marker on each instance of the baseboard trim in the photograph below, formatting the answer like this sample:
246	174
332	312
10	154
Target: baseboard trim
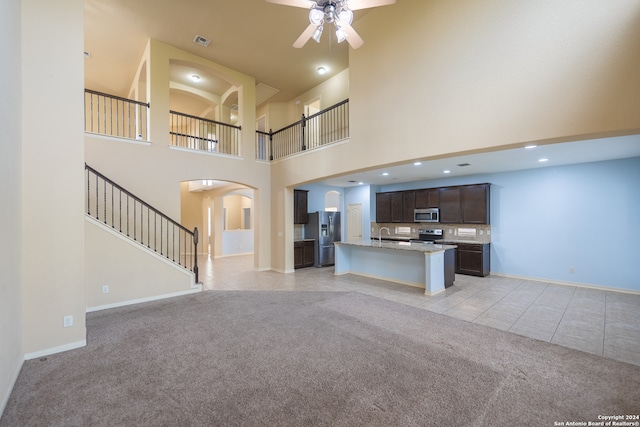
232	255
12	384
576	284
54	350
195	290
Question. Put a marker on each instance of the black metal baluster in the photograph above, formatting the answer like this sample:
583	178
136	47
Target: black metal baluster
104	189
134	219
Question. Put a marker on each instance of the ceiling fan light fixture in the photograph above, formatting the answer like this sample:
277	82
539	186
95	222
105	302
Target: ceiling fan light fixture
317	34
316	16
345	16
340	34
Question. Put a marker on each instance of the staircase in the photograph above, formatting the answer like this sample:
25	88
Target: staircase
129	215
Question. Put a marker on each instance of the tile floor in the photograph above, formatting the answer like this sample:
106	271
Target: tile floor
606	323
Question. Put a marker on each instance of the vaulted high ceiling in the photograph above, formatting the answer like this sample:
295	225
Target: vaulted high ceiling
250	36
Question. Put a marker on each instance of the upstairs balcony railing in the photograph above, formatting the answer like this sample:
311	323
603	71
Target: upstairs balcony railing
201	134
318	130
129	215
115	116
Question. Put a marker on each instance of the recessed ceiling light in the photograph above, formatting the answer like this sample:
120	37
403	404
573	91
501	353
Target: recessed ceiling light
446	171
385	173
529	147
360	183
417	163
321	70
543	160
87	55
195	78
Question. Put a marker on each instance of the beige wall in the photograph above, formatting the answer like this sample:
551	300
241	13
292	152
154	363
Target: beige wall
52	176
329	92
131	274
438	78
11	353
154	171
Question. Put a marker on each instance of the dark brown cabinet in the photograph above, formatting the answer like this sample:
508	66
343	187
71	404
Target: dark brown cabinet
303	253
473	259
461	204
450	205
465	204
475	204
397	206
408	205
427	198
300	201
383	207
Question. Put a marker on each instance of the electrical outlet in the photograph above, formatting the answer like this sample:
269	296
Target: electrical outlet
105	289
68	321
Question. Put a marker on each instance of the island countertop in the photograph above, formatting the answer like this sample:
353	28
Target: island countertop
400	245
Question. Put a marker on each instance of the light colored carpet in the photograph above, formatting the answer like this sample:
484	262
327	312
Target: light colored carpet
230	358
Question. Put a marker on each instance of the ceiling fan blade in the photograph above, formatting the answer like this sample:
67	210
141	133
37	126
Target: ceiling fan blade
306	35
353	38
295	3
365	4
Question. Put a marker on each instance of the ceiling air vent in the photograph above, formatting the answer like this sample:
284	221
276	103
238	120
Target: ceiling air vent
464	164
203	41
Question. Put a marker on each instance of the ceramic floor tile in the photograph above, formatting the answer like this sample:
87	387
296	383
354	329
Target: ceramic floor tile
622	349
593	345
541	313
502	324
540	331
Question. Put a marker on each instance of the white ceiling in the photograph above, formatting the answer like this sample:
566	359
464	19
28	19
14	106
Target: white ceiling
250	36
498	161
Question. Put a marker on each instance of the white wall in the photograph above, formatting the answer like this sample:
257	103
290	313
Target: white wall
52	175
548	220
132	273
11	353
236	242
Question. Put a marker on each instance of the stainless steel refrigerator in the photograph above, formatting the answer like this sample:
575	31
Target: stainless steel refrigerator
324	227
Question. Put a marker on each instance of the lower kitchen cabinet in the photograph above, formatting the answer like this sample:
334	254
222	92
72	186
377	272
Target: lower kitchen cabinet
303	253
473	259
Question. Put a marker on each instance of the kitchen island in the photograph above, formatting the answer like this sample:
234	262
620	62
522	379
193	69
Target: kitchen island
410	263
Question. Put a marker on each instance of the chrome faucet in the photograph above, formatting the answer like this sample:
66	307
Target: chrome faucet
380	233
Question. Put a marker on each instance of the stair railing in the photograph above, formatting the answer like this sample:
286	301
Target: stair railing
126	213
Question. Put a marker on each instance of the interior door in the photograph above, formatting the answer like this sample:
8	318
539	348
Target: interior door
354	221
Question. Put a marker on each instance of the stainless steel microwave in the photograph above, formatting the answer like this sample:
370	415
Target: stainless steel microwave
426	215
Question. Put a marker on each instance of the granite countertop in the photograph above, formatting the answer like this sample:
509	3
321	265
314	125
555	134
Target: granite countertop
305	240
400	245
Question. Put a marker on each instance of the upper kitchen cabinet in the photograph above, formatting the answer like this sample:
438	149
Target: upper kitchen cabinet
475	204
397	206
300	203
427	198
467	204
408	205
383	207
451	205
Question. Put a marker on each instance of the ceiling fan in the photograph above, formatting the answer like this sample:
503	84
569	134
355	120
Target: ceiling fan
338	12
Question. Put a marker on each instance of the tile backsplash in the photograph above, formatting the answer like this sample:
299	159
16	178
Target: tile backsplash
480	233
